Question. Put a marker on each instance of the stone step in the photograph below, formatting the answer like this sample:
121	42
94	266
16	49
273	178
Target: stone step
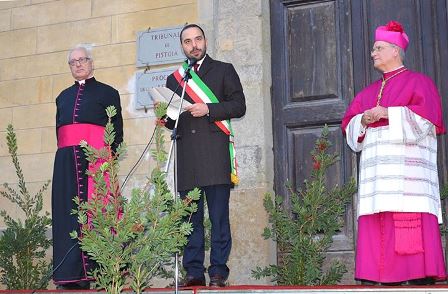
271	290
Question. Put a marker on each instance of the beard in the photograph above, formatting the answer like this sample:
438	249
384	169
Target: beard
196	57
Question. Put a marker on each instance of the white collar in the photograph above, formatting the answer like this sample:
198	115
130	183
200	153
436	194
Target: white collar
394	69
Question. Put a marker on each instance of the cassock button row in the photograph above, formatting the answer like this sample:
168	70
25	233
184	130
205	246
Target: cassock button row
193	131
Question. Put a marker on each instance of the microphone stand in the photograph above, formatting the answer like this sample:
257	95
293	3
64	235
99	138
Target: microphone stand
173	149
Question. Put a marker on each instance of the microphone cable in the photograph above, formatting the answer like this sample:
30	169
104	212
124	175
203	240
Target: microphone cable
137	163
47	278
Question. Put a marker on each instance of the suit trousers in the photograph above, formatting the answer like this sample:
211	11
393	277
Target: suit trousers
217	197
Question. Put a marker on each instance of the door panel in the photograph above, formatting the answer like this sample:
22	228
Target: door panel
311	76
313	45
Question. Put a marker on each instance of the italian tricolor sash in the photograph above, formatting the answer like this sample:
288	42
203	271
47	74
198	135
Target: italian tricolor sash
199	92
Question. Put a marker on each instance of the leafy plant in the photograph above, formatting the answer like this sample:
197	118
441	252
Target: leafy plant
443	197
167	269
24	242
131	238
305	233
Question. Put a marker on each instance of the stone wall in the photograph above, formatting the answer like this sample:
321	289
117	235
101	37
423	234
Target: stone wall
35	36
34	70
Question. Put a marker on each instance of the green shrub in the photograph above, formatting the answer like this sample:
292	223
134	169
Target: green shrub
305	233
130	239
24	242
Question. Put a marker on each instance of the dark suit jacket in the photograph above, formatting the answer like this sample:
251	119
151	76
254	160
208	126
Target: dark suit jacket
203	157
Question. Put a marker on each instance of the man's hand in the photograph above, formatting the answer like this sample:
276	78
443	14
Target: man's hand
197	109
373	115
379	112
367	118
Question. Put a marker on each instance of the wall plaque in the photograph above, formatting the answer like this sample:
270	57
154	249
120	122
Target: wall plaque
147	80
161	46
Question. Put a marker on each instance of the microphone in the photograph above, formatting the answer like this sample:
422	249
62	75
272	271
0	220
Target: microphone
191	64
188	69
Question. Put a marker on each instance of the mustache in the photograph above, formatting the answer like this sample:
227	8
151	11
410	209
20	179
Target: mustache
195	49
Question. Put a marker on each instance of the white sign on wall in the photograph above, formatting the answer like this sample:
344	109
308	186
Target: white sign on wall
161	46
150	79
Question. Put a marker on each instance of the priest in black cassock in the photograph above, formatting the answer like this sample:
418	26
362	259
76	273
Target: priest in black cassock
80	116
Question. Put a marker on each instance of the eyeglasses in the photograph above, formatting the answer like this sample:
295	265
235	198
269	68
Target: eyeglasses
379	48
82	60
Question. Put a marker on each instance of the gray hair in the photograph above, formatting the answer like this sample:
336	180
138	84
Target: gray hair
87	47
400	52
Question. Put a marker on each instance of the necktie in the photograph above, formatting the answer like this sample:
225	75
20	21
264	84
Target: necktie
195	67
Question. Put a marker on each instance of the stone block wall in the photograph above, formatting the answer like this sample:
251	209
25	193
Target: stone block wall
36	36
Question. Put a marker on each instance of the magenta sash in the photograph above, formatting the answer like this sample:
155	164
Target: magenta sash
71	135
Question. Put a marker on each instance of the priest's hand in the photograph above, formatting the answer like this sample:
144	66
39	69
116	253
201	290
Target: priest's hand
367	118
379	112
198	109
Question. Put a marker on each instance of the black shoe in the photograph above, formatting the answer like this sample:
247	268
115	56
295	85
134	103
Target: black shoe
217	281
81	285
190	281
421	282
369	283
392	284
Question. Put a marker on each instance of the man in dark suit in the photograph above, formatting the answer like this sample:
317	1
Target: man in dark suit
203	157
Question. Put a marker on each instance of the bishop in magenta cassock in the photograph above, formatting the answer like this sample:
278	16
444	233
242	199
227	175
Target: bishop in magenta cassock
394	123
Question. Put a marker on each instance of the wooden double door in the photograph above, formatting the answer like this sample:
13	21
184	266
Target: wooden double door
320	60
